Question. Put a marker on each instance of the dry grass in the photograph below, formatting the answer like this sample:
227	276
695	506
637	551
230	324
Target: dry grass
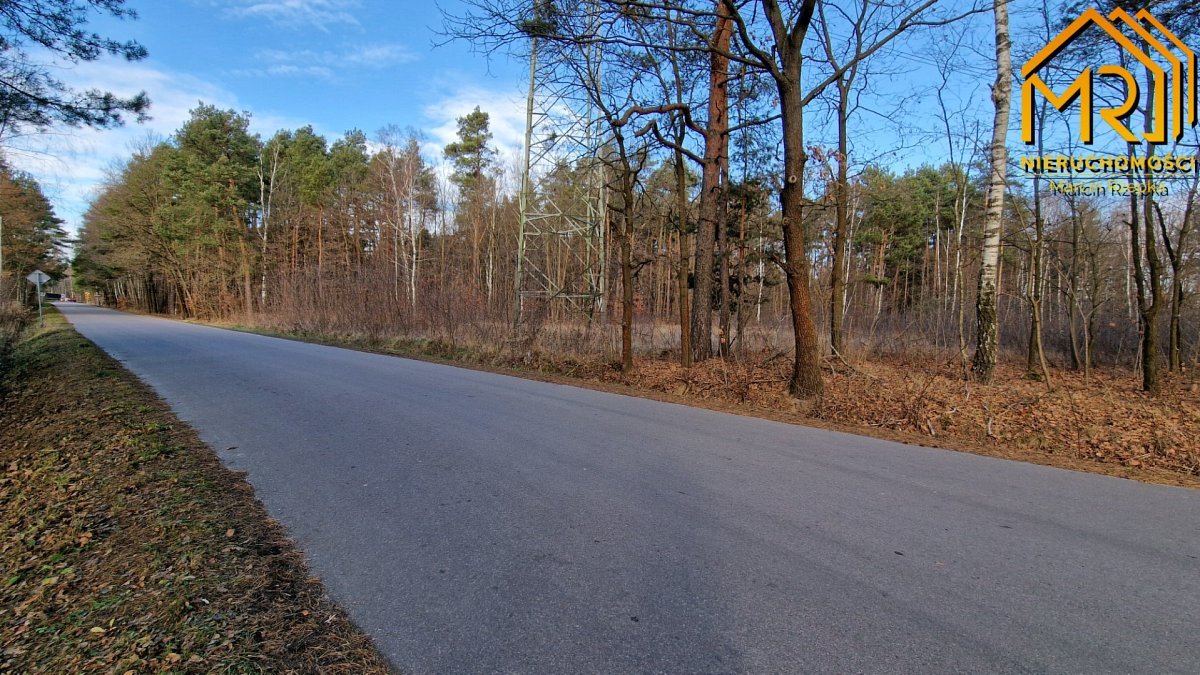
13	319
1106	425
129	548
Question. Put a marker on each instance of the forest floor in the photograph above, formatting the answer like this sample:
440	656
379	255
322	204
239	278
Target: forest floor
128	547
1100	424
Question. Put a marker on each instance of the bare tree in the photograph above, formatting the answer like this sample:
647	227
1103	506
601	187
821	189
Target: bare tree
1176	253
781	55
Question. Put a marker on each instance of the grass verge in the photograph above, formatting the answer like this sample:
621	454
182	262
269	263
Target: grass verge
128	547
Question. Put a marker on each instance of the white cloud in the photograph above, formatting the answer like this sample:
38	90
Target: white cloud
325	64
506	117
506	121
308	71
378	56
506	110
320	14
71	164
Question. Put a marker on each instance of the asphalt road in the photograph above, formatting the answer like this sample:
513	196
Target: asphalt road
473	522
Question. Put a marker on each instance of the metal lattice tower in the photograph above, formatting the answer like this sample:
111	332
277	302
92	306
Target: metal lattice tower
561	246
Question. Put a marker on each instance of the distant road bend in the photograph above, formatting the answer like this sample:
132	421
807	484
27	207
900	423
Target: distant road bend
473	522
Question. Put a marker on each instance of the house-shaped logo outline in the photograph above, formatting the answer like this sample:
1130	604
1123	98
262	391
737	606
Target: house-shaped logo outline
1081	88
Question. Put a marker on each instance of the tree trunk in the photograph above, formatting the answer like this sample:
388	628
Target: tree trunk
837	275
716	140
626	298
415	251
1175	255
806	380
1073	307
681	205
1149	306
247	288
987	329
1152	304
723	259
1035	361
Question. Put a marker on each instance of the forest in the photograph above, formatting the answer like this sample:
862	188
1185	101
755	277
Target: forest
773	190
32	237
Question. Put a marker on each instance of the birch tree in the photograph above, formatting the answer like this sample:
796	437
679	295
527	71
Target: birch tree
986	327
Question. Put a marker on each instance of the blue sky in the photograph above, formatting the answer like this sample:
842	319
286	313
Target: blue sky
334	64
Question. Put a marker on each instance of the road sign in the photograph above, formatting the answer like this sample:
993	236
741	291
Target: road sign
39	277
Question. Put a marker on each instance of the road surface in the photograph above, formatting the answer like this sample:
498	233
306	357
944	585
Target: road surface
473	522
